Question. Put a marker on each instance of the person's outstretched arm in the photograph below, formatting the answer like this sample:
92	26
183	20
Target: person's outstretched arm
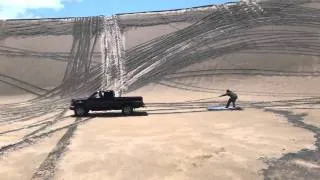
223	95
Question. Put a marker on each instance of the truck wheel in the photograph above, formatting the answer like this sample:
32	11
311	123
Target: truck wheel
80	111
127	110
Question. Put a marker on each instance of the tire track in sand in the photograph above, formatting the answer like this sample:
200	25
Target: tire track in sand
36	138
48	166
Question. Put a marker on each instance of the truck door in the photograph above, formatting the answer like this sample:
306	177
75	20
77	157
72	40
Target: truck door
95	102
108	101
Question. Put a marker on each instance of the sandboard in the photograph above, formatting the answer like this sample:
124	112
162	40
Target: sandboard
222	108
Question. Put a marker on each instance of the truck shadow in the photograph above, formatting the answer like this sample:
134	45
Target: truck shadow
113	114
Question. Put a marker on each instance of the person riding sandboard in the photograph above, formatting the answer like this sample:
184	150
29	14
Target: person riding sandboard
233	98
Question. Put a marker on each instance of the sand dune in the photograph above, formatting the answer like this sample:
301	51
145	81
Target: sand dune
180	61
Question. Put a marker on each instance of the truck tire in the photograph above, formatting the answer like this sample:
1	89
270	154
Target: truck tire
127	110
80	111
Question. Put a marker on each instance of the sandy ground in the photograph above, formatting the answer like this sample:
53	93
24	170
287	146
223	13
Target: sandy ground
204	145
312	118
23	163
176	140
15	98
277	136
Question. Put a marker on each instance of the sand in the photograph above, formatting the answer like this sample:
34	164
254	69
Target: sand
23	163
173	141
203	145
179	62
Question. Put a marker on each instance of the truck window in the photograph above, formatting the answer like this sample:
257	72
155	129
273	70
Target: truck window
108	95
95	95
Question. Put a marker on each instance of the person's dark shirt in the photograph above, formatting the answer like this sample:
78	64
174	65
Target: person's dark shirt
231	95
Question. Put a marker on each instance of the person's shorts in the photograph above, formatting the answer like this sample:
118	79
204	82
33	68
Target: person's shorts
233	99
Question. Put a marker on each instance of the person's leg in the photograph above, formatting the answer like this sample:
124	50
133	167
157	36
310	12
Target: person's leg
234	102
229	101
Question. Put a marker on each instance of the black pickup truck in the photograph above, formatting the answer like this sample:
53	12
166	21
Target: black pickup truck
103	101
